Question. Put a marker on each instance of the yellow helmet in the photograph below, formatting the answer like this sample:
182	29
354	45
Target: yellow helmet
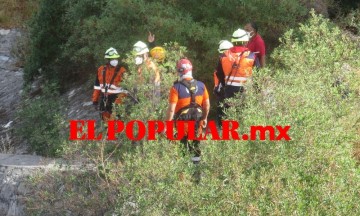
158	53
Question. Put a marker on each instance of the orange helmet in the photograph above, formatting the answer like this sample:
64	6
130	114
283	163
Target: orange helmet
158	53
184	66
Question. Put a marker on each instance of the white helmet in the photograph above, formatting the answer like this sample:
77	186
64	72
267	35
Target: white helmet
240	35
140	48
224	45
111	53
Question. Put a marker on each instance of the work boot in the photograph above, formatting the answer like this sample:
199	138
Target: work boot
196	176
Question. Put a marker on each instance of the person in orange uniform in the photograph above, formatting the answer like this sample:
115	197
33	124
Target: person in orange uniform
190	94
218	91
144	63
235	65
107	85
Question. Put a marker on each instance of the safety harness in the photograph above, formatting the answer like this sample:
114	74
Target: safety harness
193	111
117	69
235	67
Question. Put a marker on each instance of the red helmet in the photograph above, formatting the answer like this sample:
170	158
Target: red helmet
184	66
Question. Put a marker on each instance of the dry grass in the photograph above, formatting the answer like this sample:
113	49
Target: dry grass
14	13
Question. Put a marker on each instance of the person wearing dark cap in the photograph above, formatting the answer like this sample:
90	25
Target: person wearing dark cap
256	44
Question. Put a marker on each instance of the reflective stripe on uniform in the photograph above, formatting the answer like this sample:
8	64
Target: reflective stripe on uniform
114	87
112	91
235	84
236	78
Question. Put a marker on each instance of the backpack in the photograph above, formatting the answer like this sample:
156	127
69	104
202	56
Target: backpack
193	111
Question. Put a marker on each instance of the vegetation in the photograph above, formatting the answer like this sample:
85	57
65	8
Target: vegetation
82	30
15	13
41	122
67	38
311	85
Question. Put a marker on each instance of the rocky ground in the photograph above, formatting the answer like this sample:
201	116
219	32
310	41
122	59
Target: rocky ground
14	169
16	162
15	173
11	82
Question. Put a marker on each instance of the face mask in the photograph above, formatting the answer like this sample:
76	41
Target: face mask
251	34
114	62
138	60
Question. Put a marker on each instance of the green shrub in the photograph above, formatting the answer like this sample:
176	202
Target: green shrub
41	123
82	30
48	33
351	21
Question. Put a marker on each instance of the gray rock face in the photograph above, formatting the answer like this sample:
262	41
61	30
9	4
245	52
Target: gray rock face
12	191
15	168
80	104
10	87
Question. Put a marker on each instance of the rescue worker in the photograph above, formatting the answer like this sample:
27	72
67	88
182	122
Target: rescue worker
218	91
256	44
144	64
223	46
107	85
186	96
235	65
158	54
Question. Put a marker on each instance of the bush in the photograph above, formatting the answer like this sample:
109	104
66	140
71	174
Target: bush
82	30
351	21
48	33
42	123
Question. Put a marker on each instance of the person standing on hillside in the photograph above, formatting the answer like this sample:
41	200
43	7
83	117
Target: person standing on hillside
218	91
256	44
158	53
107	85
146	65
189	101
235	66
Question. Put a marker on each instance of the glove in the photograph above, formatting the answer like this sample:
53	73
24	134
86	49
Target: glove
96	105
218	90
